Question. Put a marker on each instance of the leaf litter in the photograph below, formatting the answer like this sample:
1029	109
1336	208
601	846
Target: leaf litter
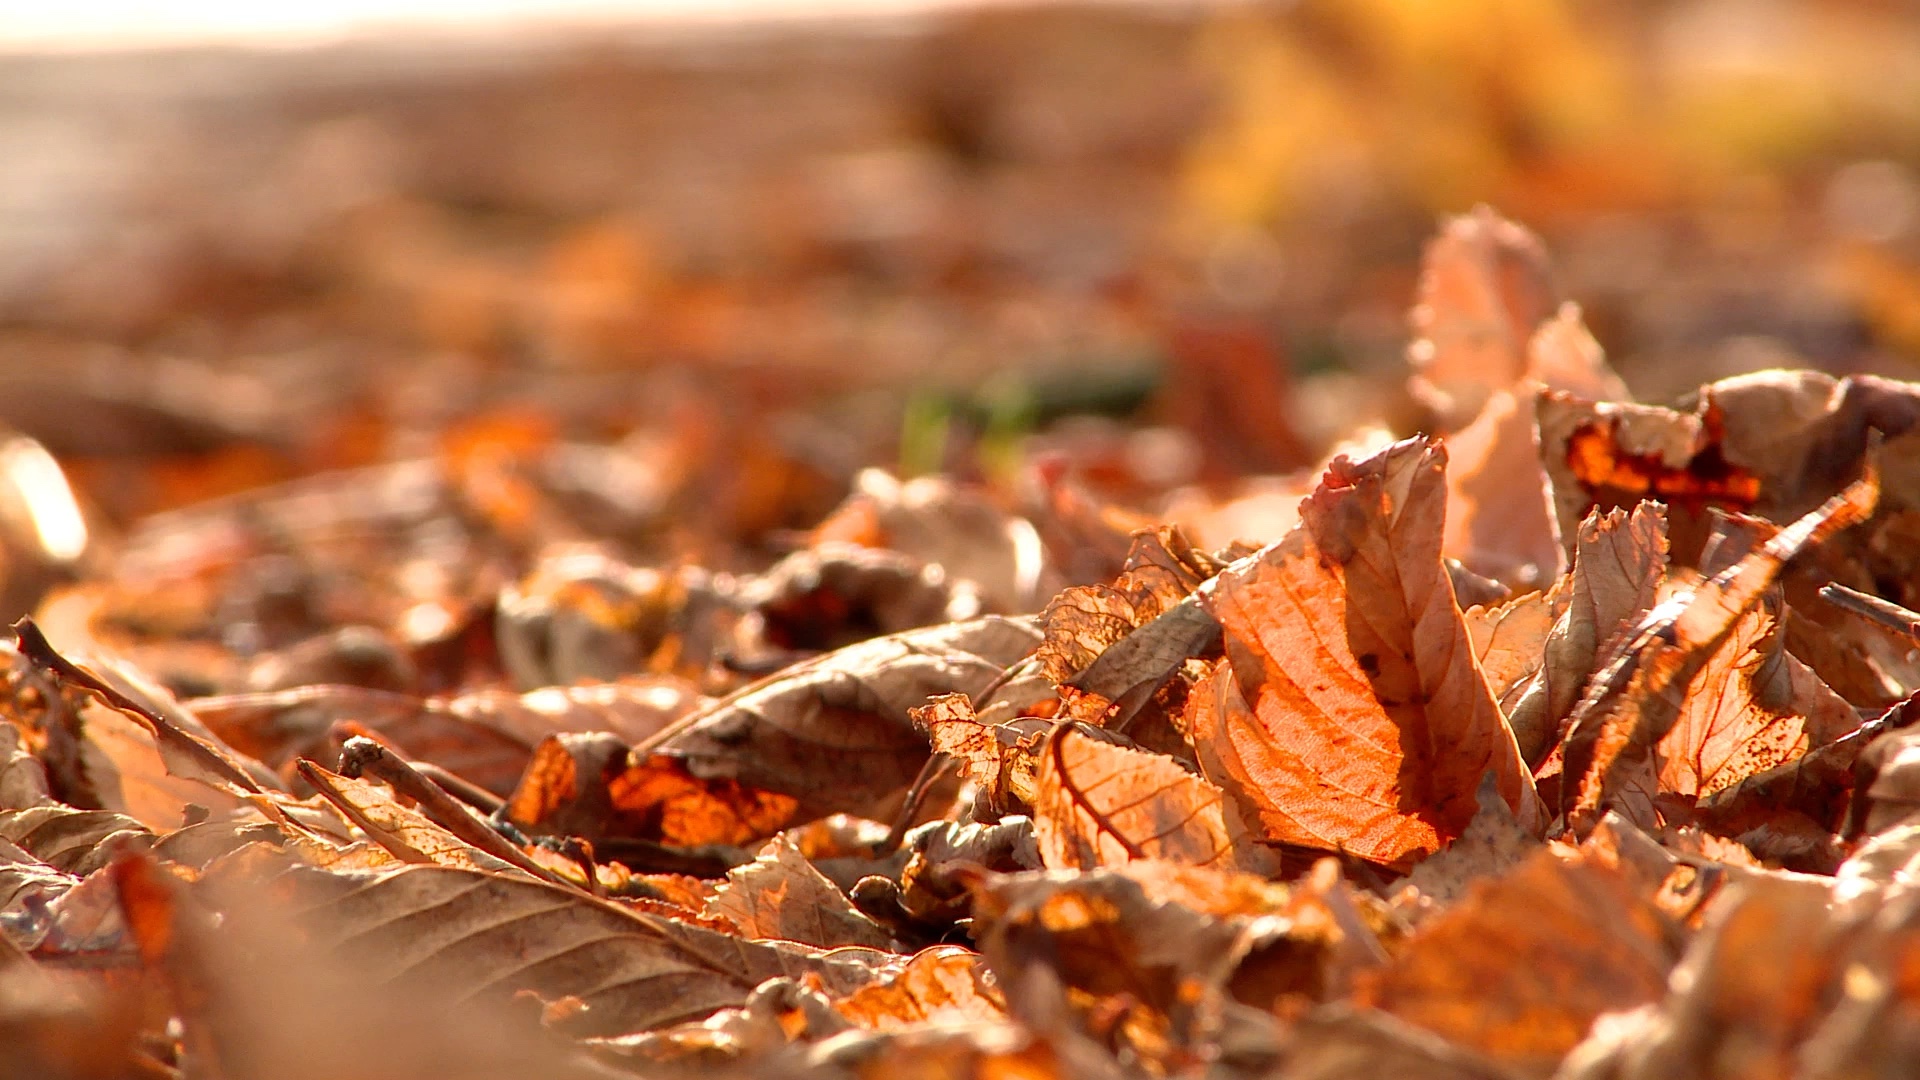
1574	740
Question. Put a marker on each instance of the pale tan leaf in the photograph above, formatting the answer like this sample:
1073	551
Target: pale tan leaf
463	935
1100	804
1508	638
1499	519
132	778
1563	355
1619	559
1351	712
72	840
23	780
1492	844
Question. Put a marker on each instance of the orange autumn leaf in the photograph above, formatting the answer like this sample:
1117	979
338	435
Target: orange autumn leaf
1611	746
1754	707
780	895
1351	713
1097	803
944	982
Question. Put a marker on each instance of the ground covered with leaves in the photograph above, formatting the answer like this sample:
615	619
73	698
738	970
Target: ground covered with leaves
1574	737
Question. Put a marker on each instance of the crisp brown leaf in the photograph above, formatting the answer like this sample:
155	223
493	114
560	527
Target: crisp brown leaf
1631	706
1097	804
1083	621
1350	712
1619	560
835	733
779	895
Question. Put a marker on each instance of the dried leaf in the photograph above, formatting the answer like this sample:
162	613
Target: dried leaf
1630	707
1484	288
1101	804
73	841
1743	1000
1754	707
1350	711
485	736
408	834
1509	638
1342	1043
780	895
1090	951
943	984
1492	844
835	733
189	750
463	935
1084	621
835	594
1592	941
943	524
1618	563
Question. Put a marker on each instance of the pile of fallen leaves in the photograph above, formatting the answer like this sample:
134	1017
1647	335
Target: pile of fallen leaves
1576	739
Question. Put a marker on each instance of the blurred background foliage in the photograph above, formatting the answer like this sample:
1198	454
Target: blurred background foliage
936	240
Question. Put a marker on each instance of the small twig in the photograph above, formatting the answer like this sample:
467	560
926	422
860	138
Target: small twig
461	788
1885	613
930	773
39	652
455	785
363	757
